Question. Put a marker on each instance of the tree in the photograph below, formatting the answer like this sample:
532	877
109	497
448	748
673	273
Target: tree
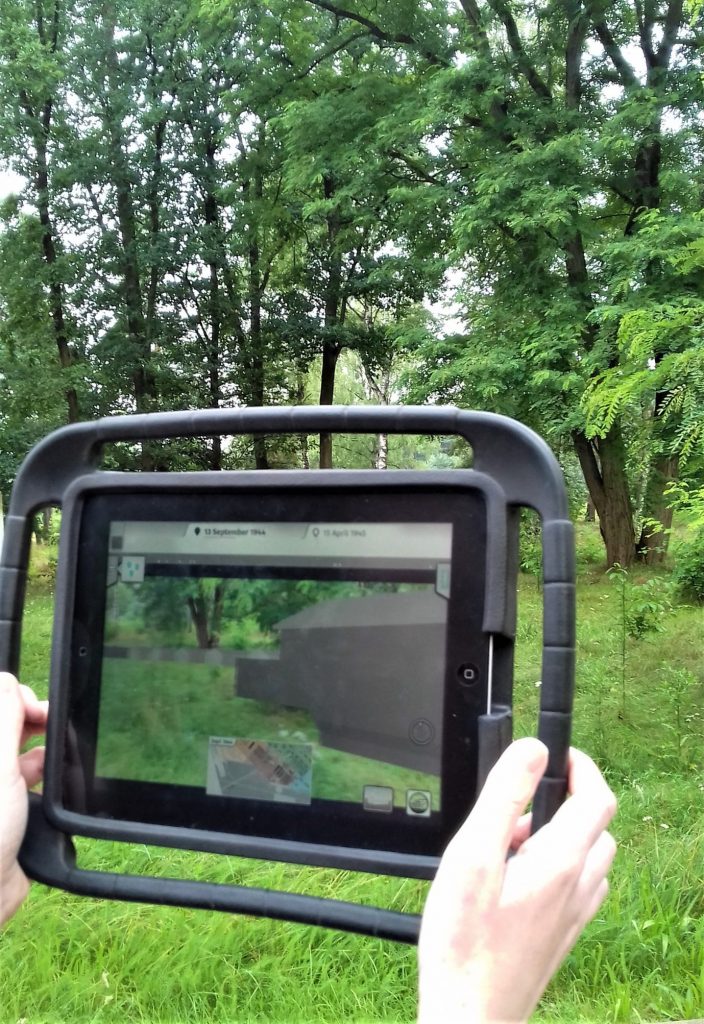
552	147
31	89
351	254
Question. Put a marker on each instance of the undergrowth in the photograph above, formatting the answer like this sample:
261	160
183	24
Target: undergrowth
639	710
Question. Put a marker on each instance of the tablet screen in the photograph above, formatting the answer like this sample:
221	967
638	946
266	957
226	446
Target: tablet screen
290	666
283	662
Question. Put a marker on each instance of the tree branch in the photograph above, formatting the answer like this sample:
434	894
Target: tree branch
97	209
629	200
414	166
646	33
400	38
576	32
628	76
671	26
198	325
497	106
527	69
329	52
474	18
639	16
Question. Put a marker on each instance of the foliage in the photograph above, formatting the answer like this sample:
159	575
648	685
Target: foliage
648	603
530	546
643	605
689	568
590	549
221	199
183	238
660	335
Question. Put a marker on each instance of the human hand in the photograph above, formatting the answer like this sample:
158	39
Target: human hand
495	931
21	717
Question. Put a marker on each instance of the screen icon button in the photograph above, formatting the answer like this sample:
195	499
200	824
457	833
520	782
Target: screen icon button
378	798
131	569
418	803
422	732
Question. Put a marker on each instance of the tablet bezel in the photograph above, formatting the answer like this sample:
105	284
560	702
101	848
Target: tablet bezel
409	847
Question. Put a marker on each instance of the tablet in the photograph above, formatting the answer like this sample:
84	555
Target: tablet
312	666
301	668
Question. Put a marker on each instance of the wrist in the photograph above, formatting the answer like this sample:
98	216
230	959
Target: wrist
460	1009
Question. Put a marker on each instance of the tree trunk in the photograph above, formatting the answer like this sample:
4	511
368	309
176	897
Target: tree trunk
333	289
212	220
255	363
216	618
654	539
41	128
603	463
199	616
378	388
331	353
299	398
56	304
154	203
143	381
381	455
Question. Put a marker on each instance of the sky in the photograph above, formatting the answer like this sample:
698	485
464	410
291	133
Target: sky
9	182
447	312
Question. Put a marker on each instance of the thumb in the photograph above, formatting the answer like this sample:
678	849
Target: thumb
11	721
509	788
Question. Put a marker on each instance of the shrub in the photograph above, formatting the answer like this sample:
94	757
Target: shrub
530	547
689	568
643	605
590	547
646	605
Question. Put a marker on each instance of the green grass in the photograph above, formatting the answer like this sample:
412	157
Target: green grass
68	959
159	717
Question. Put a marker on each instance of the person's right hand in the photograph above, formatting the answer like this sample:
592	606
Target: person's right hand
495	931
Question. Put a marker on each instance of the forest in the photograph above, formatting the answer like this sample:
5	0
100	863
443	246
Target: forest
491	204
495	204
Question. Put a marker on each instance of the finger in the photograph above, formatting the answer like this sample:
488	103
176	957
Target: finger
32	766
599	860
35	714
11	719
592	908
587	911
510	786
35	710
579	822
30	731
521	831
583	773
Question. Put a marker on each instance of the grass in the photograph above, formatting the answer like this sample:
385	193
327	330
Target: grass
161	715
68	959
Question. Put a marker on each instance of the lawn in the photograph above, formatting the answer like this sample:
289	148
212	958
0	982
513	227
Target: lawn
159	716
639	711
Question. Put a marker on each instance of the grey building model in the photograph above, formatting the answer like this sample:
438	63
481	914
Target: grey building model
368	670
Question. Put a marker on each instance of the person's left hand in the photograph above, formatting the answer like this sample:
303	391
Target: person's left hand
21	717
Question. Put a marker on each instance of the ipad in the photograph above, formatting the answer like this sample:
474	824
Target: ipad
304	667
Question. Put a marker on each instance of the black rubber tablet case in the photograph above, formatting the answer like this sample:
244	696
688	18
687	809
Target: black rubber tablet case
514	457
